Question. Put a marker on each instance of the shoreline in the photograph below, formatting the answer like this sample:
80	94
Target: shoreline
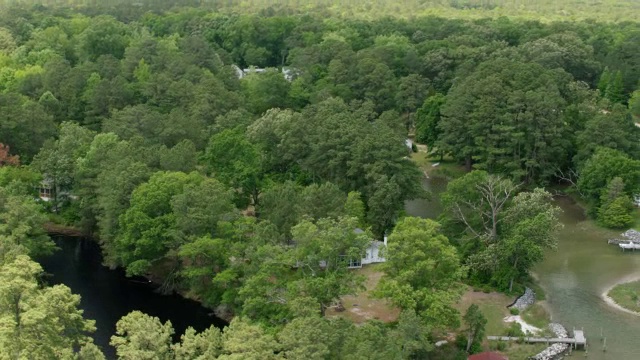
609	300
55	229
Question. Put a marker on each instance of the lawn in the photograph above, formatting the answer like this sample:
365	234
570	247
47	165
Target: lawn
537	315
627	295
494	307
446	168
515	351
362	307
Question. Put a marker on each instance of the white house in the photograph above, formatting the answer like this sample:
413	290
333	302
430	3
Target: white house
45	190
372	253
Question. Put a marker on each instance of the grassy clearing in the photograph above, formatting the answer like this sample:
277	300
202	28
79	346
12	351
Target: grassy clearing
493	305
536	315
515	351
421	159
627	295
446	168
449	169
362	307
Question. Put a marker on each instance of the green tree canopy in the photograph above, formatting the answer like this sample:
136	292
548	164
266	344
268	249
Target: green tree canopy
422	272
140	336
38	323
506	118
22	228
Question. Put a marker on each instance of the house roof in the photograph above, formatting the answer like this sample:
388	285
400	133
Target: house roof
487	355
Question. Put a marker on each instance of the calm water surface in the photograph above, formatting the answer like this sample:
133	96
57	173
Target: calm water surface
107	295
578	273
575	276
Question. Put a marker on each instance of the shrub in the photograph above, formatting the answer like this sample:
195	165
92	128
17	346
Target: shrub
514	311
514	330
501	346
461	341
476	347
617	213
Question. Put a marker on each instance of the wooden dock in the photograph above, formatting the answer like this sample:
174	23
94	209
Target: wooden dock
578	339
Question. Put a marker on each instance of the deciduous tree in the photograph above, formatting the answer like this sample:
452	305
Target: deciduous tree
142	337
6	158
475	323
422	272
38	323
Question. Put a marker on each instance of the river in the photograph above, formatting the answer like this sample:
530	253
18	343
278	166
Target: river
575	276
107	295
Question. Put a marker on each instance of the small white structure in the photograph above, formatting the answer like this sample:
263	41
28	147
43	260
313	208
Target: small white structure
238	71
289	73
409	144
251	70
636	200
372	253
629	246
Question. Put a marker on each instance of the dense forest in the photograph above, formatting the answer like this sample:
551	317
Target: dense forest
245	189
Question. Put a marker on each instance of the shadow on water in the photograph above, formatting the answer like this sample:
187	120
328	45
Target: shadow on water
107	295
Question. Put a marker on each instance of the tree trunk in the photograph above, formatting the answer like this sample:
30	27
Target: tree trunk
54	188
469	340
494	224
467	163
515	263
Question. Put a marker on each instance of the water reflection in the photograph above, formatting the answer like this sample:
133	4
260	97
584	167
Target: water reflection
108	295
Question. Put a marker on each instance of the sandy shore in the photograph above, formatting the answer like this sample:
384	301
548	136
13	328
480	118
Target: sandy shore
526	327
609	301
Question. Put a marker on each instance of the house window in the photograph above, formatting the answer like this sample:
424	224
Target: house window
355	263
45	192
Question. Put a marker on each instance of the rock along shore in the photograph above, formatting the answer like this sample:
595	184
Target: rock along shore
554	350
523	302
629	235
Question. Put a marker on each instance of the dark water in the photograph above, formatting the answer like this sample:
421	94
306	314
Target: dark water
575	276
428	208
107	295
